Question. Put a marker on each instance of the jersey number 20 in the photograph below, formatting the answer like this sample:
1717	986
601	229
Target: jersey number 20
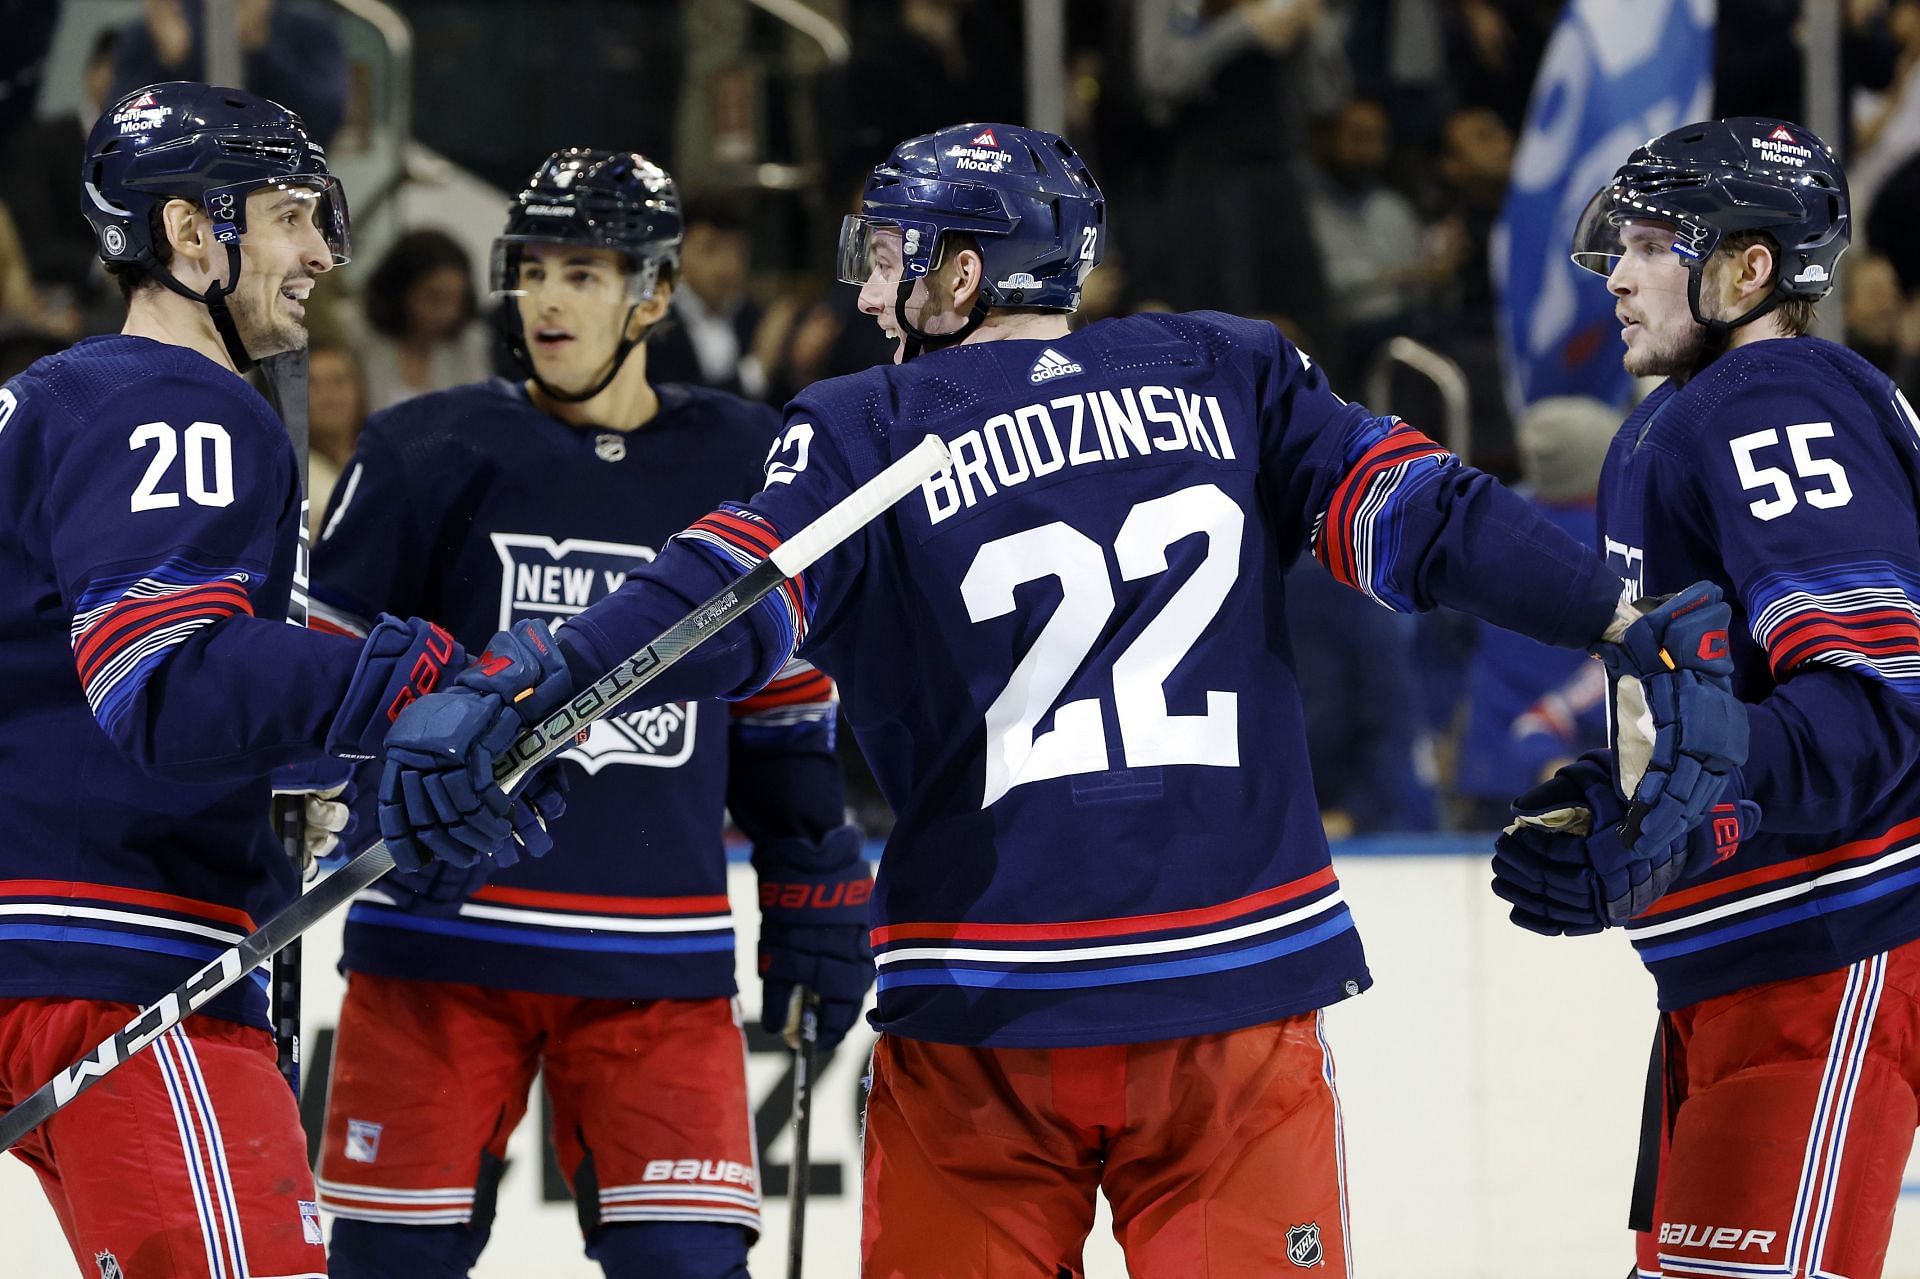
1149	735
209	465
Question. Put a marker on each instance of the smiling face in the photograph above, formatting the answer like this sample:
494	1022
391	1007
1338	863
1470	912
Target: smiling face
929	306
281	254
574	303
1649	285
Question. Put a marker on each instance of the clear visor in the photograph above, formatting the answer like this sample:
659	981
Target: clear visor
1616	220
871	247
525	265
317	199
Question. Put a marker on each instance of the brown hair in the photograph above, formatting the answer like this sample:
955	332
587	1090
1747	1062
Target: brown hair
1797	315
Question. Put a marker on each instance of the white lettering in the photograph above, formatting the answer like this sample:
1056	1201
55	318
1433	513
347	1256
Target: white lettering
1175	438
969	464
1220	425
8	403
1076	455
1027	417
1000	468
578	585
1190	417
1123	419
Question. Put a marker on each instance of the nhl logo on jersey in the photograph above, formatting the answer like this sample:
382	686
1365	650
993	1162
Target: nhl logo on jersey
1303	1245
109	1265
609	446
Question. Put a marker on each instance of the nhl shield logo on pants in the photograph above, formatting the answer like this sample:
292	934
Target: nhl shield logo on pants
109	1265
1303	1245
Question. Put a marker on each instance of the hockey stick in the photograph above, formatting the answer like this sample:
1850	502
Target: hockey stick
285	378
804	1057
551	735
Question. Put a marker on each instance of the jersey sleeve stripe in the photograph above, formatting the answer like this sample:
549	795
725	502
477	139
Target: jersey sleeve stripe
1357	535
124	628
745	541
1860	616
543	899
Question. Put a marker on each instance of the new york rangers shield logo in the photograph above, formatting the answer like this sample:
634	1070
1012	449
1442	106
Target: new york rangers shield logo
1303	1246
554	579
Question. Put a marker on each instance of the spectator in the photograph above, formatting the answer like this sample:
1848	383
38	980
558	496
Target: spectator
291	49
336	410
29	26
38	181
925	65
1366	742
1368	237
1494	48
715	319
421	308
1236	80
1531	708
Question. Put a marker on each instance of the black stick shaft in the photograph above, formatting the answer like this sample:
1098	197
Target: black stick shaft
805	1061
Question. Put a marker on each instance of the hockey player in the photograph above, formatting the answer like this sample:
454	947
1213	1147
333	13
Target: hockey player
149	507
1785	469
611	963
1106	921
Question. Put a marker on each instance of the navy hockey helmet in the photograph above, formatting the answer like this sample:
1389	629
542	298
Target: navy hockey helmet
1024	195
617	200
183	140
1719	177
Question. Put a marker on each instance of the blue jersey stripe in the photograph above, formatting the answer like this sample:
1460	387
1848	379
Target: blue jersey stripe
1779	918
122	941
1007	979
383	917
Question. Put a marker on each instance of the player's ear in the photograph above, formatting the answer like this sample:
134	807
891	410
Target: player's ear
1756	270
969	273
653	310
188	233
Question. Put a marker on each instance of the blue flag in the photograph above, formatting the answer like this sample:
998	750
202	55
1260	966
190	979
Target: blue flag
1616	73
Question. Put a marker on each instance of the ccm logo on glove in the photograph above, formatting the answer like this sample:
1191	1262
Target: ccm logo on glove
1713	646
435	655
815	896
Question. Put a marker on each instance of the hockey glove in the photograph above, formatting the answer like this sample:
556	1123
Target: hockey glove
438	799
325	788
402	660
813	933
1676	728
1563	868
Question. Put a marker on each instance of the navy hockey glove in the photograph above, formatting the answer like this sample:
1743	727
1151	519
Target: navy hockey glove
403	659
1677	729
813	932
438	799
1564	869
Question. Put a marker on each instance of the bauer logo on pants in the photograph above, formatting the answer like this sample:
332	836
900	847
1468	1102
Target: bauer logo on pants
1303	1245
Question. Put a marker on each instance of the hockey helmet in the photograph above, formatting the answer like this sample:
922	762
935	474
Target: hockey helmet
1719	177
1023	194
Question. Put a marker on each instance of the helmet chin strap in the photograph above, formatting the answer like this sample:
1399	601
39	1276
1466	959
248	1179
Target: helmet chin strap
1720	332
919	340
516	332
215	300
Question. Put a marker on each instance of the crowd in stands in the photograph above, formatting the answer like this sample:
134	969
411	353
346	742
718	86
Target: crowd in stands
1337	166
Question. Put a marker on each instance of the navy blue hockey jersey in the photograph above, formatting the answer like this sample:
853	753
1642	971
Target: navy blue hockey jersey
1066	658
475	508
1788	472
148	683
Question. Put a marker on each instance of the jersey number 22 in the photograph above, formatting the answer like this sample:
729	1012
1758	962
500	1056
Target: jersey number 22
1149	735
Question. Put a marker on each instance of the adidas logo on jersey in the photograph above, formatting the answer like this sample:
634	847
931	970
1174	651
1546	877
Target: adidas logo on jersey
1051	365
